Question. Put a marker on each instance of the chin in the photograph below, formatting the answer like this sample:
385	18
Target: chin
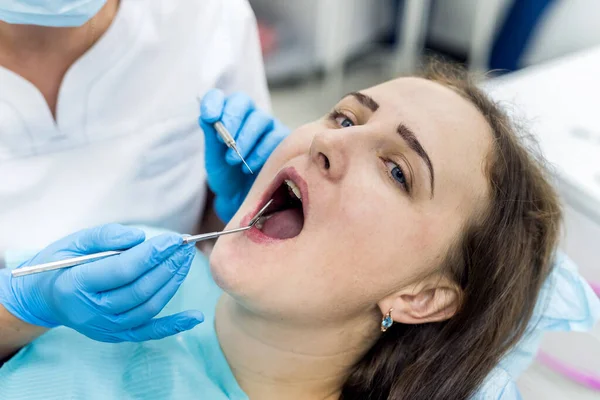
235	272
224	267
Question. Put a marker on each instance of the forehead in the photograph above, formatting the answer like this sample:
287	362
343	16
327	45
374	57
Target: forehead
426	101
450	128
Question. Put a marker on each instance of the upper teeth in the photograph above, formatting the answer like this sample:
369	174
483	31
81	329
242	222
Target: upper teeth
294	188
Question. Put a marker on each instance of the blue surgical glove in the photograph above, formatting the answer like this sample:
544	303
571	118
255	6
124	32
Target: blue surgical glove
256	133
110	300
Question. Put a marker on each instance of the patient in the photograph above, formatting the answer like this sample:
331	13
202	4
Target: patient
412	204
402	257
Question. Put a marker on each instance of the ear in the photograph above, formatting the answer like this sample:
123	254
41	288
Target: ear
432	300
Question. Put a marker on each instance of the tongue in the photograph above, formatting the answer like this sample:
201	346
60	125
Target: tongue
284	224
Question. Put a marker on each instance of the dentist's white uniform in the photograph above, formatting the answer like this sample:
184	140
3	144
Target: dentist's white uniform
125	146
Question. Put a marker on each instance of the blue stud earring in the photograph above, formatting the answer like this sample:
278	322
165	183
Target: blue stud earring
387	321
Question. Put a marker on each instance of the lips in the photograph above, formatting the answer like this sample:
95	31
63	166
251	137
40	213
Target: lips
287	174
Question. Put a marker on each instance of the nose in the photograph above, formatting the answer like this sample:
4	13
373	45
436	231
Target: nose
328	152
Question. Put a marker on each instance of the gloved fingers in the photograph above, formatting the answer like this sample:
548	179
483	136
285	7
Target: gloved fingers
256	125
97	239
237	107
127	297
116	271
148	310
219	174
163	327
211	106
268	143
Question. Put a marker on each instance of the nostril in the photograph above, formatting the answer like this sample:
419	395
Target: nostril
324	160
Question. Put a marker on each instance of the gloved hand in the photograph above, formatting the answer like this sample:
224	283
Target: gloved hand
110	300
257	134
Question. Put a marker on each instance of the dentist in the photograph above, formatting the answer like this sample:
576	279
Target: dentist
98	123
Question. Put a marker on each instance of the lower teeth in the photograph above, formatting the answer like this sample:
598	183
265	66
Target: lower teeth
261	222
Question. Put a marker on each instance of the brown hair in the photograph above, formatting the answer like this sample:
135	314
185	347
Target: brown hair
501	262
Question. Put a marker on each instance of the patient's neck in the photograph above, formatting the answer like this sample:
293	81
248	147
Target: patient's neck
271	360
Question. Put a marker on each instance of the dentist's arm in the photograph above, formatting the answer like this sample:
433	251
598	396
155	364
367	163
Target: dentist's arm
111	300
15	334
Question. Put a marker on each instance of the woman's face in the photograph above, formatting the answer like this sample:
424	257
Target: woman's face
387	180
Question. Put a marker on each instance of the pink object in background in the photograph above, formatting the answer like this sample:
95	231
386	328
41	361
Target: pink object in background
596	288
584	378
268	38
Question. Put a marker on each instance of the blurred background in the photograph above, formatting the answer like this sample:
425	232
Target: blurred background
544	58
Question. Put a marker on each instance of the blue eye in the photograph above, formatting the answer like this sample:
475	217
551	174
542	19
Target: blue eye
397	174
344	122
341	119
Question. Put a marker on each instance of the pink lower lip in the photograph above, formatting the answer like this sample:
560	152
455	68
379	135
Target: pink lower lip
256	235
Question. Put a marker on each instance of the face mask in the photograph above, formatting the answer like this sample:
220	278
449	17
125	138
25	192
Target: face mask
58	13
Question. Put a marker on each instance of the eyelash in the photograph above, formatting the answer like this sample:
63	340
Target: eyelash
335	115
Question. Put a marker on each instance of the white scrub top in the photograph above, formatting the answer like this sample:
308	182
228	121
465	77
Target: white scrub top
125	146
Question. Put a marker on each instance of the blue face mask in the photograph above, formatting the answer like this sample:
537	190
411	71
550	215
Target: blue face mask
57	13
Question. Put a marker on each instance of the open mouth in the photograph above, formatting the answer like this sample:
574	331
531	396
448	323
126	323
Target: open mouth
284	219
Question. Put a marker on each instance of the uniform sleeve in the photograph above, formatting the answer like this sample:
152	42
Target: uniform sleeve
248	72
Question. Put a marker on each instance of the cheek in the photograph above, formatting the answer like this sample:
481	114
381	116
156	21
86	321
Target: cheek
368	252
388	250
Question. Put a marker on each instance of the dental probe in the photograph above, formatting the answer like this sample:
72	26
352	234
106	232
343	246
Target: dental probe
71	262
229	141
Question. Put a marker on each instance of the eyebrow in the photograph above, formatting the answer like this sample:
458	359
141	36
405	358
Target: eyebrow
404	131
410	138
365	100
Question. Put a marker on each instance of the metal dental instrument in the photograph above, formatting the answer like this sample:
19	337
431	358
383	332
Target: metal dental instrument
229	141
71	262
206	236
